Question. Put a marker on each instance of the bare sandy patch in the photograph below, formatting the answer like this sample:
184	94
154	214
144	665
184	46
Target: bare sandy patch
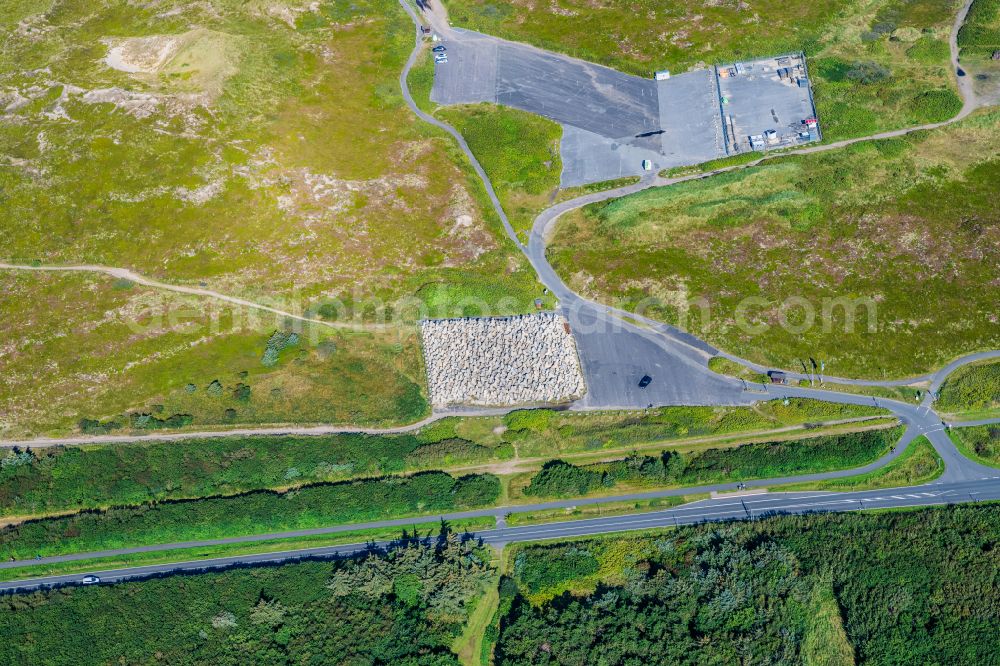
196	62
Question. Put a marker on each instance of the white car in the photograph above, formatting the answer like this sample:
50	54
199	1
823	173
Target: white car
90	580
441	58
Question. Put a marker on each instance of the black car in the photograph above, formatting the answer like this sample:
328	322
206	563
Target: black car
439	49
645	381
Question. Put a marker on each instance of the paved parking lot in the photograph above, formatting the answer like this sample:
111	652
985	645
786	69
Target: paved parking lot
615	357
613	121
470	75
758	100
590	158
690	118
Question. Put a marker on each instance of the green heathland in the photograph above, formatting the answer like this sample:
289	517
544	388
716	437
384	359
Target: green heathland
874	65
903	587
256	512
919	464
750	461
268	155
972	389
981	443
832	256
404	607
48	480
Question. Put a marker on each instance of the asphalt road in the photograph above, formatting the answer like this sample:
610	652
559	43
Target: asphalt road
743	507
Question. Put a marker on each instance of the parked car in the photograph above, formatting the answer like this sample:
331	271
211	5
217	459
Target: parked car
439	48
645	381
441	59
90	580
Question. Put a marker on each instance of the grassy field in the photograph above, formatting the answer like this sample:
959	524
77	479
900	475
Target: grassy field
900	587
257	512
724	366
550	434
50	480
981	443
874	65
972	391
599	510
708	466
238	163
919	464
833	256
519	151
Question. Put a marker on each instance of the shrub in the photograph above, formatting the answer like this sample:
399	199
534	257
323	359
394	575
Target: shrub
439	430
559	478
144	421
242	392
16	458
94	427
868	72
928	51
535	420
935	105
278	342
538	569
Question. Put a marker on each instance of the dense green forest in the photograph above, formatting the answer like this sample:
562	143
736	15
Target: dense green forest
750	461
914	587
404	607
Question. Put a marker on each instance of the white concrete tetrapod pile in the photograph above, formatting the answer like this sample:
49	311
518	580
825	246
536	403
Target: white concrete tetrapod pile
501	361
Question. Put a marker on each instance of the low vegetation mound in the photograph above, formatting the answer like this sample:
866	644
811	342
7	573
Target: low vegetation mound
740	463
258	512
981	443
973	388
